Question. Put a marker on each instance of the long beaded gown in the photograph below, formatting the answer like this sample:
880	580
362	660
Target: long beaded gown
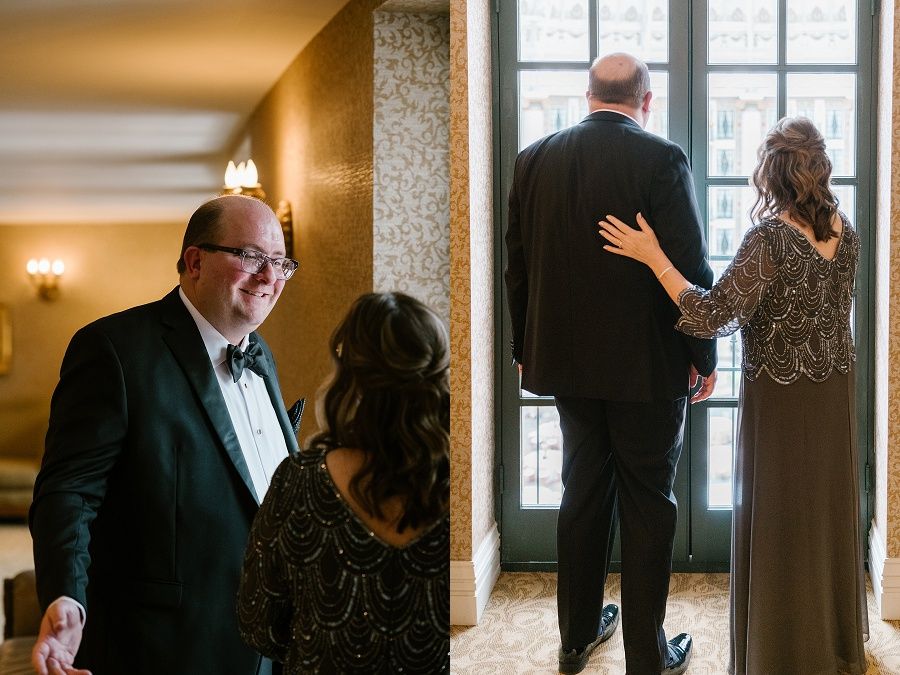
798	603
322	593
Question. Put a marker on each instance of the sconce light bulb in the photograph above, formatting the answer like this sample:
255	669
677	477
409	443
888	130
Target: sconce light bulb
32	267
58	268
231	176
43	266
251	176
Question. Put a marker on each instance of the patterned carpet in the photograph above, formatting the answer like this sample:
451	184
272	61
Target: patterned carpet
518	632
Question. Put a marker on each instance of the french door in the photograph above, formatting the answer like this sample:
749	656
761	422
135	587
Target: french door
722	72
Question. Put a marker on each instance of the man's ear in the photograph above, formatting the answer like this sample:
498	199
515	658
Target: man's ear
645	104
192	261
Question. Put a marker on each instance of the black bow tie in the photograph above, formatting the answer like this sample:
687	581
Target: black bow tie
253	358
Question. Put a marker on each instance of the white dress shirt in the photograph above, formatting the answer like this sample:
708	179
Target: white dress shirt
249	406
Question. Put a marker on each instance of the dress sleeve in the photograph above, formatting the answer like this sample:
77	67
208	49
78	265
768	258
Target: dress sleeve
734	298
264	604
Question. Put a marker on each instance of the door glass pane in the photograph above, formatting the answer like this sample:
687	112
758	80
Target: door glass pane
846	195
550	100
743	31
829	100
728	383
541	456
554	31
821	31
659	104
639	27
722	425
728	215
742	108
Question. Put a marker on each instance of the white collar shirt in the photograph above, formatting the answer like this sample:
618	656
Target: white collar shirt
249	406
618	112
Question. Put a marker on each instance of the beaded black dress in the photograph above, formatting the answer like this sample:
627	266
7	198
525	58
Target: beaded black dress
322	593
798	602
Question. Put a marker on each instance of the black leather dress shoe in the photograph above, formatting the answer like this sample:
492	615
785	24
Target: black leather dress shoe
575	660
679	654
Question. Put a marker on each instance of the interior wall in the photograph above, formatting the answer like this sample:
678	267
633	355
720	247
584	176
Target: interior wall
311	138
411	164
108	268
887	287
471	279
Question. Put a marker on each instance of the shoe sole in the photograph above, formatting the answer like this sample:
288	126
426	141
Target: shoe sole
575	668
680	669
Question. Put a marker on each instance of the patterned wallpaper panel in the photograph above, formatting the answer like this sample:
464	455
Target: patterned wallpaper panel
882	265
893	458
471	278
411	197
460	297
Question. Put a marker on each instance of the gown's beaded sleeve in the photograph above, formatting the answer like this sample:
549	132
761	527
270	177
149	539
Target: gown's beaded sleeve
733	300
321	593
791	304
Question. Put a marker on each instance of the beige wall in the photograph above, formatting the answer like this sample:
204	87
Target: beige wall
471	279
311	139
887	287
108	268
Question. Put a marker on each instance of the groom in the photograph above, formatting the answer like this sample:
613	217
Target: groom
596	331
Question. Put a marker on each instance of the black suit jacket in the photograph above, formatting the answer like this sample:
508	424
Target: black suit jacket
143	503
585	321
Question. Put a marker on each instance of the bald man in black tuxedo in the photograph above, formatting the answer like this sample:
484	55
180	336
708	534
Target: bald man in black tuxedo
596	331
160	448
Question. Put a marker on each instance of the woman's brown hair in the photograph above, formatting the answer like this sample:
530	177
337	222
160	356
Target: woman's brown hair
389	395
793	175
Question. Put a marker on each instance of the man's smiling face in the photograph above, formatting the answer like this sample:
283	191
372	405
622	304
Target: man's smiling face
234	301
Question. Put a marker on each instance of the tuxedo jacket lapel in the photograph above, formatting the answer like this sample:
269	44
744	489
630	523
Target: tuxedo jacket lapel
187	346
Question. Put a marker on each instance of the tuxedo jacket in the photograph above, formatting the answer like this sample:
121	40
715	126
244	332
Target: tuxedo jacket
143	503
587	322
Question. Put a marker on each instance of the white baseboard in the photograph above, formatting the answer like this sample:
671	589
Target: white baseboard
471	581
885	575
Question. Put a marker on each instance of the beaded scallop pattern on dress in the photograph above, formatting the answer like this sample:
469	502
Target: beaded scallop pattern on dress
791	304
347	601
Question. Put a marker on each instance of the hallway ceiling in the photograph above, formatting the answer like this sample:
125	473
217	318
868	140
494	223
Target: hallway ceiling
125	111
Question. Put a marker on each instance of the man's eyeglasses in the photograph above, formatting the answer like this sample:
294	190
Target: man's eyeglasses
255	262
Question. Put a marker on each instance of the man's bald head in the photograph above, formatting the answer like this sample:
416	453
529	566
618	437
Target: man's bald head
619	79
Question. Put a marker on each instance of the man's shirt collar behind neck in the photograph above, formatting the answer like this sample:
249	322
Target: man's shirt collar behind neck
216	344
618	112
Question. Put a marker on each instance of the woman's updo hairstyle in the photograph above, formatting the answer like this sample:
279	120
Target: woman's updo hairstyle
389	395
793	175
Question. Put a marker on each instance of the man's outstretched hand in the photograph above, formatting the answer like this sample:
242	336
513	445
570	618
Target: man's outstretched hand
58	640
707	385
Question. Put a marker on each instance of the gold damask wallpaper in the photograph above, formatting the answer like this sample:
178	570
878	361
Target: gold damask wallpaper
471	278
460	295
891	476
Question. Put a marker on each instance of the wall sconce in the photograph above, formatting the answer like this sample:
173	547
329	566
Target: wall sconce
45	276
243	179
286	218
